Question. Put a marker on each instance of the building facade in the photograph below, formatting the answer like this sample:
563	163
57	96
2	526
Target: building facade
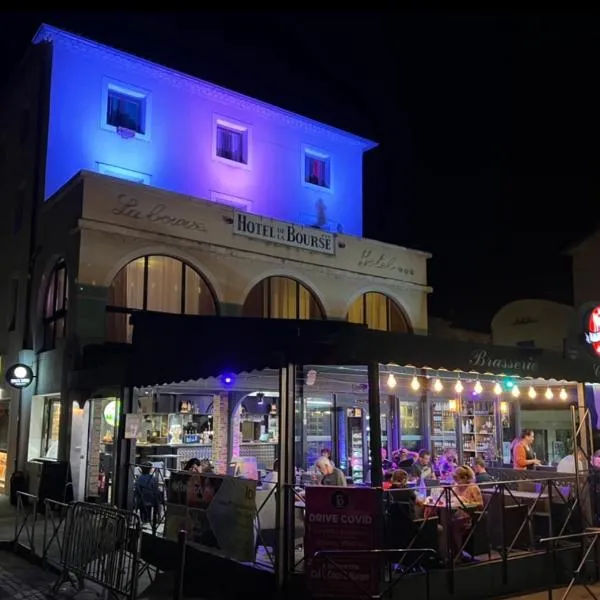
135	188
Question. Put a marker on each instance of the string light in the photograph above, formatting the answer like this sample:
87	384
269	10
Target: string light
414	384
498	389
532	393
549	395
515	391
563	394
478	387
391	381
458	388
437	385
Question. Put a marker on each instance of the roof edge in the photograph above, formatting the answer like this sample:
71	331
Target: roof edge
47	33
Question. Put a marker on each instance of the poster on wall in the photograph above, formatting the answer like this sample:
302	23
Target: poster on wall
133	424
341	519
217	511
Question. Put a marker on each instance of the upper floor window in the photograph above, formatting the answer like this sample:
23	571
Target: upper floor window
378	311
282	298
126	110
231	142
121	173
233	201
157	283
316	167
55	305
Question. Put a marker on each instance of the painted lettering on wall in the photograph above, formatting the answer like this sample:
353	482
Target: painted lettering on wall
286	234
380	260
128	207
483	359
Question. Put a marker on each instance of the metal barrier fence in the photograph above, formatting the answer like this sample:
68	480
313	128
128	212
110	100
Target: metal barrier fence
85	541
101	544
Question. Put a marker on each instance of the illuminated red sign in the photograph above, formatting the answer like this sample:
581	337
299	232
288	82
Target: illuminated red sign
592	334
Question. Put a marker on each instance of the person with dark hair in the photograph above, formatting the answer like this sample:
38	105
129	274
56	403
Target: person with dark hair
422	466
523	453
197	465
481	475
146	494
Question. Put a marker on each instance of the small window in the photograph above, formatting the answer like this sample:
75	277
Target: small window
126	111
56	302
121	173
316	168
231	143
233	201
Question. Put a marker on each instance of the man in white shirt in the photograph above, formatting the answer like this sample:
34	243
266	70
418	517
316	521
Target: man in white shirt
567	464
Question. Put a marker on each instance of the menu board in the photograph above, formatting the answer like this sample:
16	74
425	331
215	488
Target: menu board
93	458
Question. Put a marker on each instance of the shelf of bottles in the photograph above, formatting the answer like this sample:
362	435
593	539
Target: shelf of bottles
355	437
478	429
443	426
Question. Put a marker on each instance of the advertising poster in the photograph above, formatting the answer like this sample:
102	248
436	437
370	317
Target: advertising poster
342	519
217	512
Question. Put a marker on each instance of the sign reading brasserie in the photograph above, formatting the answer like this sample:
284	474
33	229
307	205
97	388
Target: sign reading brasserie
484	359
286	234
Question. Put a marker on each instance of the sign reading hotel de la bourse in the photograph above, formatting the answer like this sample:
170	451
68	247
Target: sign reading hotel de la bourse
286	234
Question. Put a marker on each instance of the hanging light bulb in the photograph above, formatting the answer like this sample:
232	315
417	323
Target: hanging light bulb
458	388
498	389
549	395
532	393
414	384
478	387
515	391
438	385
391	381
563	394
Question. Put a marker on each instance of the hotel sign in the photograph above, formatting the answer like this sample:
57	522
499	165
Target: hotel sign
286	234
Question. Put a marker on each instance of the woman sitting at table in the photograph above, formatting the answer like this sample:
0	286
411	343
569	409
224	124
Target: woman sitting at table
467	496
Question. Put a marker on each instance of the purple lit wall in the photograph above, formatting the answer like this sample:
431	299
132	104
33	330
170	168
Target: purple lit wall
178	152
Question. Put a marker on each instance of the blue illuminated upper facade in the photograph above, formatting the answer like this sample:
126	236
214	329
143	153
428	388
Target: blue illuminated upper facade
119	115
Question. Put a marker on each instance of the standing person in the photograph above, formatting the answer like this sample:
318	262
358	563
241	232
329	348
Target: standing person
523	453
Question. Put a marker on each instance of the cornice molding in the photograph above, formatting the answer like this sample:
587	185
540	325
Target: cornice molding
48	34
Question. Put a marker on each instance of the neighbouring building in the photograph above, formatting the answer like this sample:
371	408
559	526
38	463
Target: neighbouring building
128	187
531	323
445	328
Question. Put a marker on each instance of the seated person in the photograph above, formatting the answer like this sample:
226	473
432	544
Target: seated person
421	468
404	460
399	492
386	464
481	475
330	475
469	495
446	473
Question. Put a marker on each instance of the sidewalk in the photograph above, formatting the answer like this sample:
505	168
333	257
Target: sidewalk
577	593
20	580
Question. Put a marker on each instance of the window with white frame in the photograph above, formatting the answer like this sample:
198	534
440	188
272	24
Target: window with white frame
233	201
121	173
126	110
316	169
231	142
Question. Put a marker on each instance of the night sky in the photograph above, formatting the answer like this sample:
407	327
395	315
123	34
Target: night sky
487	124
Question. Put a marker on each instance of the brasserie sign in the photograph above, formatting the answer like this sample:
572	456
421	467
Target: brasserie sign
286	234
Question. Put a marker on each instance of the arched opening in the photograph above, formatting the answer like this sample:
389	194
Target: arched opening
157	283
56	300
378	311
282	298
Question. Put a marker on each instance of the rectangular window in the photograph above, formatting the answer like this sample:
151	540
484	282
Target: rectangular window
126	110
121	173
231	142
233	201
316	169
14	304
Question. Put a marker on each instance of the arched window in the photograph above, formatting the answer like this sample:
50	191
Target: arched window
378	311
56	302
158	283
282	298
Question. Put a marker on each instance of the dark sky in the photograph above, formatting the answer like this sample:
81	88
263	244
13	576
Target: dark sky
488	124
